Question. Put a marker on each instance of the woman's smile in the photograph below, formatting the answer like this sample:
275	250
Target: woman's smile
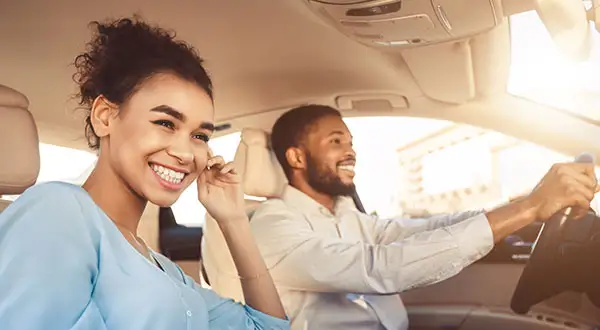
169	178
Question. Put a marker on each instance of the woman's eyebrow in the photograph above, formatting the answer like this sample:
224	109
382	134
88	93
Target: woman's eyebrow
168	110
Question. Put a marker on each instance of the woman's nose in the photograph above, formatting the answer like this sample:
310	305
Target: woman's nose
184	155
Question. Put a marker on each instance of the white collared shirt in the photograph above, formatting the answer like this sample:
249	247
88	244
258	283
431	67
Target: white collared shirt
344	270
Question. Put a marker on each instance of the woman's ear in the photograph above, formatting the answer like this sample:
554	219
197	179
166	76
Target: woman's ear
101	115
296	158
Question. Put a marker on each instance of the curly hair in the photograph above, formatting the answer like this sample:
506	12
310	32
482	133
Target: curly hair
124	53
291	128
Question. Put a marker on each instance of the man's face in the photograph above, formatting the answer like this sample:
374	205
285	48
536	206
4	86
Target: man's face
330	158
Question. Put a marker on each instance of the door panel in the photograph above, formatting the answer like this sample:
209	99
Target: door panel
516	248
483	292
478	318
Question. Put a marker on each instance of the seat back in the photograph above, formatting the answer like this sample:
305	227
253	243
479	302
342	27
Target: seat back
19	144
262	176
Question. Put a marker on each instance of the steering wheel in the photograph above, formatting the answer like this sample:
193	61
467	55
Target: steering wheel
565	257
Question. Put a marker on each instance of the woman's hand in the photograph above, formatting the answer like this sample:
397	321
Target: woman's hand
220	191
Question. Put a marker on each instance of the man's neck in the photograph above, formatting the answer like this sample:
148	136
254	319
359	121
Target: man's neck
326	200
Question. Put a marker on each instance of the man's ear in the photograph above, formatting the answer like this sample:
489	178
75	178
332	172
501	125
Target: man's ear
296	158
101	115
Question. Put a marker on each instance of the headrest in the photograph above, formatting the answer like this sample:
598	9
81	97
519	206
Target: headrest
19	143
262	176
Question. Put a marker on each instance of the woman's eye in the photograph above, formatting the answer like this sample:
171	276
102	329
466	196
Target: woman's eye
202	137
336	141
166	123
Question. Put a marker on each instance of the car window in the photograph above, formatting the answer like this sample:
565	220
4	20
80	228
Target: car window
467	168
539	72
416	166
377	168
376	141
63	164
187	210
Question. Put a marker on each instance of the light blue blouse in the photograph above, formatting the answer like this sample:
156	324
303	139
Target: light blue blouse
65	265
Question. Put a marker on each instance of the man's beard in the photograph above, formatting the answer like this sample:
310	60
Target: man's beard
326	181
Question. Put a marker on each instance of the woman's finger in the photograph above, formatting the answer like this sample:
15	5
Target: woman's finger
217	161
201	182
228	168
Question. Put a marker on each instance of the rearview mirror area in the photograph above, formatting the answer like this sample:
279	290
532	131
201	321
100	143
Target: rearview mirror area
593	12
567	21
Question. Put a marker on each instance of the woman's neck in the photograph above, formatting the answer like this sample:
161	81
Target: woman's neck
122	205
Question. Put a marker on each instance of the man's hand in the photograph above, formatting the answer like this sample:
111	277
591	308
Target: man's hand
565	185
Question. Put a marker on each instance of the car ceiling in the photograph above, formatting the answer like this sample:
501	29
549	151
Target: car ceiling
255	50
265	56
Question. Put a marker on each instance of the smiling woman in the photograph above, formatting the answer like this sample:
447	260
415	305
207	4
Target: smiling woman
150	114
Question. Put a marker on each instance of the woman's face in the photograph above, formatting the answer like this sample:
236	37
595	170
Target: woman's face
157	140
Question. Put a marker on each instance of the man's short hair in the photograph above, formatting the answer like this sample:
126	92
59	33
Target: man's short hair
291	128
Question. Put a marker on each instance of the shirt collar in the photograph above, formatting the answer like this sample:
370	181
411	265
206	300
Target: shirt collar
304	203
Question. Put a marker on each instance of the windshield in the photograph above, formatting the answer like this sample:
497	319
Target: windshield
538	71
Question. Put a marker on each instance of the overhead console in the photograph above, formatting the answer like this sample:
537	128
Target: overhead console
406	23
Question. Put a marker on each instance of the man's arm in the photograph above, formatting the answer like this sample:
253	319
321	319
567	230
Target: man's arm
565	185
302	259
387	231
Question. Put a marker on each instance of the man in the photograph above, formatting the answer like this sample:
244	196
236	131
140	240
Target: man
337	268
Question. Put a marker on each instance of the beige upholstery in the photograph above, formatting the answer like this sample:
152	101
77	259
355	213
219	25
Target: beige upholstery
4	204
261	173
262	176
19	143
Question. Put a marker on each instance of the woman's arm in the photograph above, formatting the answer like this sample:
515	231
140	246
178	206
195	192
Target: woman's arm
220	191
48	262
225	313
257	284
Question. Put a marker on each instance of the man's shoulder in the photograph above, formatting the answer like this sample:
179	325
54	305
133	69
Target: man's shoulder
271	205
276	212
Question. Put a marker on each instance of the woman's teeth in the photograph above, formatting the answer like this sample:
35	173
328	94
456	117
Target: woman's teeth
168	174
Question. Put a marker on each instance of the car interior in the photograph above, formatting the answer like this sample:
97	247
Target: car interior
437	60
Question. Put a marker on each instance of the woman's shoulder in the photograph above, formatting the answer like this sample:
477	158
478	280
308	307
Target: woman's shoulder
52	201
53	192
53	187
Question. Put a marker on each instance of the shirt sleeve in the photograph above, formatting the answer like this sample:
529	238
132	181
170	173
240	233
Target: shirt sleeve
48	262
302	259
386	231
225	313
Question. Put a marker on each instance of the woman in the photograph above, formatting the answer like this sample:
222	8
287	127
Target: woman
69	255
